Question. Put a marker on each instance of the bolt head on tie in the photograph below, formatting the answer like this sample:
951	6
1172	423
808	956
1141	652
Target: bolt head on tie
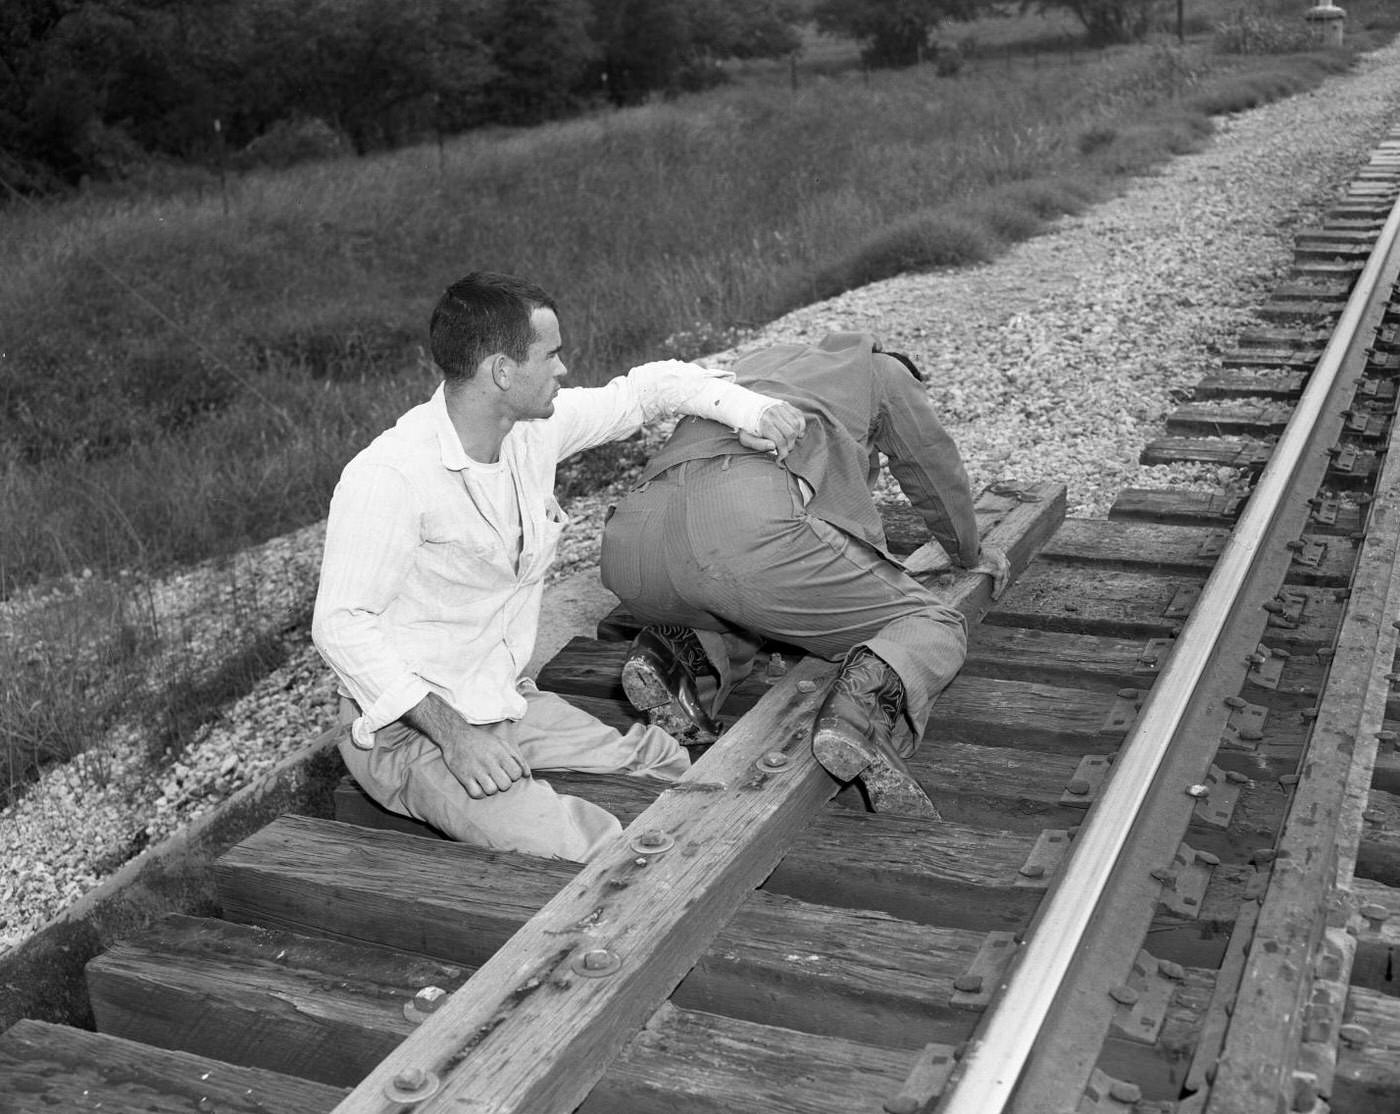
596	963
412	1085
423	1003
1124	995
1375	913
653	841
773	760
1200	792
806	686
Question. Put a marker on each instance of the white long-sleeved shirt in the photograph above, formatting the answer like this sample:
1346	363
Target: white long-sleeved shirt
421	589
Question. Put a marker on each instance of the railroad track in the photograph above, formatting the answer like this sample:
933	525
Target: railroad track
1163	880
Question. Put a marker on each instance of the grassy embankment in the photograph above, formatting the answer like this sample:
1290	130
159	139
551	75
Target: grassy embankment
185	374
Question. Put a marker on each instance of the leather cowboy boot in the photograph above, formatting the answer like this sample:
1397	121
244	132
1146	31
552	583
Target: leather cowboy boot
660	679
854	736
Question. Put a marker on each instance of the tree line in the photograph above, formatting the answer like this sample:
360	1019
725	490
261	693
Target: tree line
92	88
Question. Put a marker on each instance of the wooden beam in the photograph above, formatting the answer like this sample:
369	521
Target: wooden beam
775	961
536	1027
687	1062
55	1067
324	1010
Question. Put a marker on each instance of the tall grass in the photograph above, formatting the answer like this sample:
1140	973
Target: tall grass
180	381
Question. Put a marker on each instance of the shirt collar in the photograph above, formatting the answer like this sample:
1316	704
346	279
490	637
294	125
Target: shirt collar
454	457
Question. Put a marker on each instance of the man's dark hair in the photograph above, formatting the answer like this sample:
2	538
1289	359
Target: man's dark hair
480	315
908	363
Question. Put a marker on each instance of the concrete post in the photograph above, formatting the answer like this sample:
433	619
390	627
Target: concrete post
1327	22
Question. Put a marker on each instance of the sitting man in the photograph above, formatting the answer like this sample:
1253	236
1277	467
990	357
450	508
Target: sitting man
721	546
437	542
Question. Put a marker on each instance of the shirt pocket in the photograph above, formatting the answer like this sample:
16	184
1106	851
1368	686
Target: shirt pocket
454	561
549	528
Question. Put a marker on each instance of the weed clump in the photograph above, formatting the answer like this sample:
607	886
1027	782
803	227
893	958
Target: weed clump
921	242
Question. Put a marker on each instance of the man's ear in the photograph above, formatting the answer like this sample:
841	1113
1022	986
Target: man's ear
499	367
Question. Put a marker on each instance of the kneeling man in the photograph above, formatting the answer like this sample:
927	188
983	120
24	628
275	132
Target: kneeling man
722	545
438	539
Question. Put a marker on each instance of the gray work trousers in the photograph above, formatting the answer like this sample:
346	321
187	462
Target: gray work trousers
726	546
405	773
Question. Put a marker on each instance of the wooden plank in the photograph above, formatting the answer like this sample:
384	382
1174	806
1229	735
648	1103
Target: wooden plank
780	962
1017	789
1259	420
1106	601
515	1038
1377	936
325	1010
1140	546
43	974
1367	1079
1102	661
686	1062
972	709
1251	456
1218	452
1183	508
1378	857
1330	289
1238	384
293	1012
1020	792
1183	550
777	961
1062	657
960	875
46	1067
1274	337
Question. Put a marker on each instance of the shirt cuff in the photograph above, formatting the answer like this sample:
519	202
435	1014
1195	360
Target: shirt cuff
391	705
737	407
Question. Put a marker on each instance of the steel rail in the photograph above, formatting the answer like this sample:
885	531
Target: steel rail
996	1057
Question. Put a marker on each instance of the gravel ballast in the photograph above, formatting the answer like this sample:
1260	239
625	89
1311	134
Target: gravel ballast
1056	362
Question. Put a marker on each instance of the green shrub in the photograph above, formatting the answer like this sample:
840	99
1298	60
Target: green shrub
1248	32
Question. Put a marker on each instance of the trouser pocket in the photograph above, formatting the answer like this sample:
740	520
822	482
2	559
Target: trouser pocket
631	529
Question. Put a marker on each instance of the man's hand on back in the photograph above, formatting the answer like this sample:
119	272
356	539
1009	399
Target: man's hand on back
779	429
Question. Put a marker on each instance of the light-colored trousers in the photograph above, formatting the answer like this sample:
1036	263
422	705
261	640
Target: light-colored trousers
405	773
726	546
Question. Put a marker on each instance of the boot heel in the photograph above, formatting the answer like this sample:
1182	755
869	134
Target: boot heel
896	792
644	689
839	755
